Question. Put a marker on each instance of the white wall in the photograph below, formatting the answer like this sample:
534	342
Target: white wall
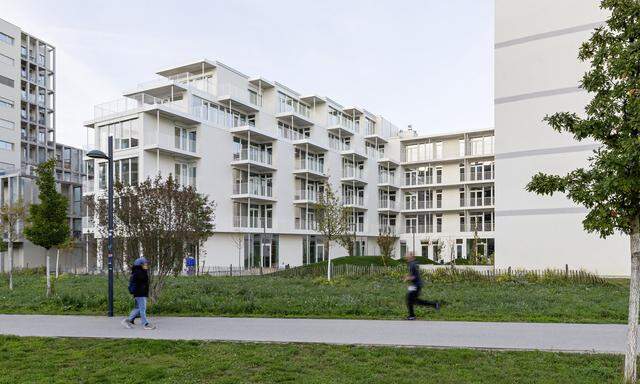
537	73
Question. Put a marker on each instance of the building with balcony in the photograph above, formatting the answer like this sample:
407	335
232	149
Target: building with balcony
440	199
28	138
264	153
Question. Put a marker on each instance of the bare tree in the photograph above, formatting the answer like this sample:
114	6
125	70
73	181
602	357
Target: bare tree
332	220
386	242
160	220
11	215
238	241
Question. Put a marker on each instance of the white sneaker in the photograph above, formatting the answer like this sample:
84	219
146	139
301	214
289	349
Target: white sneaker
149	327
126	323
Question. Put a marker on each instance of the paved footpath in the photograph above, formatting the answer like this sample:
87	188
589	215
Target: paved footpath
583	338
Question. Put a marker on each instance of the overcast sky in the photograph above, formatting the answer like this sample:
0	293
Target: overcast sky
428	63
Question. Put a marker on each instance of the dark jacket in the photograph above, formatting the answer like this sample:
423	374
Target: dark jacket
414	271
139	282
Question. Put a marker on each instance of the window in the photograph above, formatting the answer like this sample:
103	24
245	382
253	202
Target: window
6	146
6	38
219	115
461	171
461	147
289	132
439	153
185	174
439	222
4	59
125	134
185	139
5	103
288	104
6	81
7	124
125	171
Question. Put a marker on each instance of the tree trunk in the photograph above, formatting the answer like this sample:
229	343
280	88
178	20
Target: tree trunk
57	262
634	296
10	265
328	261
48	273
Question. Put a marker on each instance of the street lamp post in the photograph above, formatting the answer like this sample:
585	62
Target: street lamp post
97	154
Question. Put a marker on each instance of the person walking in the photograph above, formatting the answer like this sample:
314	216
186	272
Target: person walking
139	288
415	285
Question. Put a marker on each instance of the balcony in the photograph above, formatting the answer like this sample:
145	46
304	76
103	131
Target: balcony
487	226
252	190
419	228
340	126
257	160
353	154
357	227
387	229
142	102
305	225
354	175
253	222
413	205
388	205
172	145
88	186
310	168
353	201
253	134
239	98
388	180
481	176
477	202
306	197
296	114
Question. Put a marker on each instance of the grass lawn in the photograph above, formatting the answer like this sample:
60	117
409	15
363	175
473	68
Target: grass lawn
364	297
43	360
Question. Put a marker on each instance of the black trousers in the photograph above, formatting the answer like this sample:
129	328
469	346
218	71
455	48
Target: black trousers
413	299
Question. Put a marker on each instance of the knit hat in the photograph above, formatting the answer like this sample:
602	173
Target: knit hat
140	261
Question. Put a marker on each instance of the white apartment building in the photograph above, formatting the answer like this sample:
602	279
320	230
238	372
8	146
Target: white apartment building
537	73
28	137
447	195
263	152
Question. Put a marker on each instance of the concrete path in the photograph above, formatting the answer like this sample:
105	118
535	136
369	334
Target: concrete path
583	338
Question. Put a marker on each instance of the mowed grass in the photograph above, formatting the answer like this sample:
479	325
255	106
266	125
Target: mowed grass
46	360
362	297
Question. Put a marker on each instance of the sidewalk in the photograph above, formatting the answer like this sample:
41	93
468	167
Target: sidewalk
582	338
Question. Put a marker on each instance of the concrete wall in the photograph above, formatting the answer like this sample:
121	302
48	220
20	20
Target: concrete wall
537	73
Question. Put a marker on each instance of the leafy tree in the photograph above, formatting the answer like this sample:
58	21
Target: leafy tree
332	220
386	240
160	220
10	217
47	224
610	185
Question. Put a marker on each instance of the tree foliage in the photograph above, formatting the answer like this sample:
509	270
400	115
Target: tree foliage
386	241
332	219
160	220
47	224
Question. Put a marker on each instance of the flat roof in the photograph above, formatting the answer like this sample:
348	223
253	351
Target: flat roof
445	134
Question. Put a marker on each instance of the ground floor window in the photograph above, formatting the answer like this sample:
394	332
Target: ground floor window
261	250
484	248
313	250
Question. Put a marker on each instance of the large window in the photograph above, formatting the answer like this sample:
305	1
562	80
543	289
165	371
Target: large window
481	145
6	146
419	152
6	81
6	38
287	103
185	139
219	115
125	134
5	103
125	171
185	174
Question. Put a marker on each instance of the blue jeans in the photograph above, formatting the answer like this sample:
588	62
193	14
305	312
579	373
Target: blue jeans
139	310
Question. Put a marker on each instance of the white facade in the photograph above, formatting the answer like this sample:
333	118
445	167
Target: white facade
262	152
537	73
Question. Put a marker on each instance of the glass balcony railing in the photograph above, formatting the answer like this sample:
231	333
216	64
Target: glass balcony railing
387	178
295	107
486	226
357	201
353	173
387	204
309	165
477	202
252	222
387	229
256	155
306	195
357	227
253	188
340	121
304	224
